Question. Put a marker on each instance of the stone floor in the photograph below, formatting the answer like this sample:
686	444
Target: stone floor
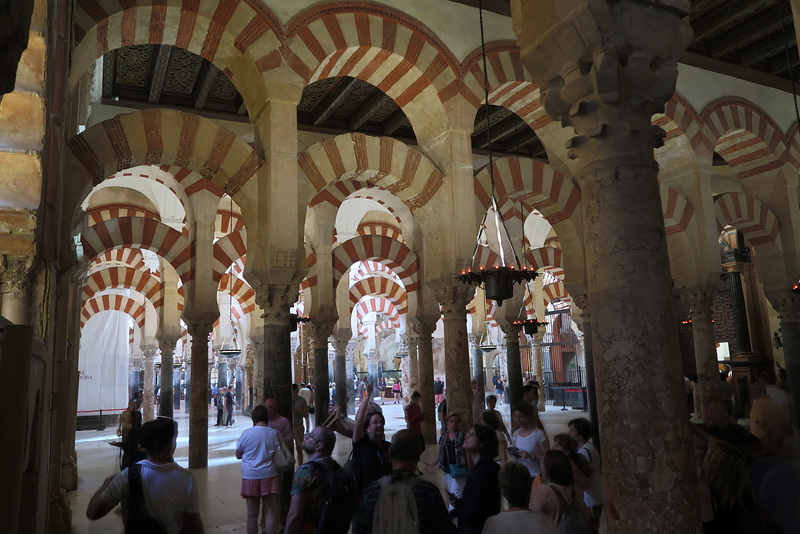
222	509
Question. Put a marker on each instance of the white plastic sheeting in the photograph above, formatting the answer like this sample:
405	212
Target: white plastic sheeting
103	362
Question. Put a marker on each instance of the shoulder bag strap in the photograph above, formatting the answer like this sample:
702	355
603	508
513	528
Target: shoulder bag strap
561	501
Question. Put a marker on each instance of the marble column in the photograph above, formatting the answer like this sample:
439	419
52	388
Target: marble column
258	369
420	335
319	333
222	371
454	300
341	373
249	360
148	393
705	351
605	68
583	318
275	300
787	304
478	372
538	367
196	395
187	386
178	381
514	362
409	368
350	354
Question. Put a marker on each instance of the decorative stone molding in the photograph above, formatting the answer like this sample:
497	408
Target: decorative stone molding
283	258
787	304
275	301
16	275
454	298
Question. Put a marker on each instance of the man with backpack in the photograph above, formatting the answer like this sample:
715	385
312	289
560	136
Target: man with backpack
402	502
323	497
157	495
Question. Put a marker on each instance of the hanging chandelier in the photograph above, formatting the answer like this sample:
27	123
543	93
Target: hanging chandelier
498	280
230	347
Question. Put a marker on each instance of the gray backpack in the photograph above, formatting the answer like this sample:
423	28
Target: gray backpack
571	520
396	509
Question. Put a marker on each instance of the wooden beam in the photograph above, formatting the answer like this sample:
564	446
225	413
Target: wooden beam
242	109
395	121
159	73
734	69
778	66
764	25
508	126
207	76
520	140
726	16
334	99
501	7
366	109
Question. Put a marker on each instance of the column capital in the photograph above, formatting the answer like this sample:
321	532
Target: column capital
787	304
275	301
511	332
603	74
319	332
339	345
417	331
16	273
350	350
699	302
454	298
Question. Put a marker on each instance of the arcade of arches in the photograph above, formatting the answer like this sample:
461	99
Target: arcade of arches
181	177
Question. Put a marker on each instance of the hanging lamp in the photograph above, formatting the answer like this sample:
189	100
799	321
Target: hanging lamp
498	280
487	343
796	285
230	347
529	325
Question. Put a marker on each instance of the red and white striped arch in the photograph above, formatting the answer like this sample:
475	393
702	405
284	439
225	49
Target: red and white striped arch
393	253
369	268
227	250
112	211
136	232
556	291
745	136
386	230
378	286
510	85
227	222
540	185
676	208
377	305
124	277
161	137
681	119
248	33
112	302
546	258
120	256
378	45
338	166
243	294
748	215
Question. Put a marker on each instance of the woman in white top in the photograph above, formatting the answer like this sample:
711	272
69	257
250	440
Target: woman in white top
256	449
515	484
530	439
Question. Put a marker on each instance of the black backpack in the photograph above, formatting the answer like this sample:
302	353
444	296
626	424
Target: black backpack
338	498
138	521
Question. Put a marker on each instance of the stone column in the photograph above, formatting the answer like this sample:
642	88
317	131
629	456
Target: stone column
15	282
420	335
605	68
249	361
222	371
275	301
478	372
178	381
787	304
319	333
187	385
196	395
350	353
705	351
148	394
538	367
739	310
342	374
454	300
514	362
409	368
167	347
258	368
583	318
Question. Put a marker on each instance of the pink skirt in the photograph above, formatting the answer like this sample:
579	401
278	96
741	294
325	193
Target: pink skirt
260	487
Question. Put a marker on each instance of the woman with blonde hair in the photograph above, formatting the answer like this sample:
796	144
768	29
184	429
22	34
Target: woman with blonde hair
727	503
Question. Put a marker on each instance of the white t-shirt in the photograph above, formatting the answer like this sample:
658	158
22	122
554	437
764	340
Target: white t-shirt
593	495
520	521
532	444
258	445
306	394
169	491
